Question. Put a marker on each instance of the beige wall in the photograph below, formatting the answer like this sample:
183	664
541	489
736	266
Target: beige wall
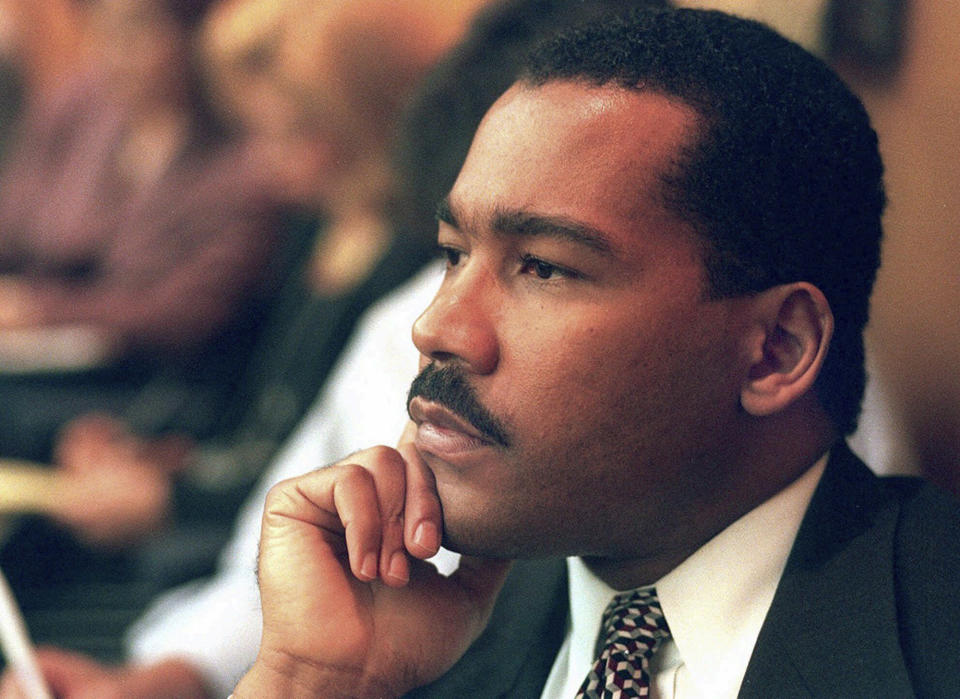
915	333
796	19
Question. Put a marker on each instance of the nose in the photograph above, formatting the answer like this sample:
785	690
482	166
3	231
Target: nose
459	326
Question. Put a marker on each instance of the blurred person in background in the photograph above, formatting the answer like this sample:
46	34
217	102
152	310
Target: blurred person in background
350	252
42	43
119	486
45	40
197	640
137	239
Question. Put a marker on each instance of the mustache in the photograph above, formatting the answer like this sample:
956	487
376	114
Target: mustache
448	386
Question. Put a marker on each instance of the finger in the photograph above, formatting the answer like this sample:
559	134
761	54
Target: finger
9	686
355	504
423	515
66	672
388	469
341	502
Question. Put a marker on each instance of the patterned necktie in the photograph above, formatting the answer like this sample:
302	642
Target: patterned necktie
633	626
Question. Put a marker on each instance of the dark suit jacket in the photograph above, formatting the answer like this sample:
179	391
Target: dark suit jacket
868	605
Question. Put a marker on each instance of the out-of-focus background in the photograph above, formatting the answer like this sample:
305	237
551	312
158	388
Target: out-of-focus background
916	323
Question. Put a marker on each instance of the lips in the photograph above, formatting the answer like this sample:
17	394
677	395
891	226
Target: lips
442	432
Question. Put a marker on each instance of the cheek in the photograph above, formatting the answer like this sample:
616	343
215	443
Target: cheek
566	379
618	390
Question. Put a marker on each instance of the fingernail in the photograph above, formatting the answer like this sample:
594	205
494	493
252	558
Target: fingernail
369	567
398	567
426	536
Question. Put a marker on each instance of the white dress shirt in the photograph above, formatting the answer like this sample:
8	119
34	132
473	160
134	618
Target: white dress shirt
714	602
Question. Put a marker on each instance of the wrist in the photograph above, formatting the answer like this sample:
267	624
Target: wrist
278	675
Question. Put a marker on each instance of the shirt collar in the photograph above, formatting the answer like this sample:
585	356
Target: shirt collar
716	600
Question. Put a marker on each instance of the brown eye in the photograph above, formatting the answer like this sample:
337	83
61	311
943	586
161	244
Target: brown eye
451	255
543	270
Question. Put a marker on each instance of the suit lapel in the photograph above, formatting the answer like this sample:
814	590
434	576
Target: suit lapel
513	656
832	627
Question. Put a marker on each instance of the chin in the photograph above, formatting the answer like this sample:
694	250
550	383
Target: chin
482	541
479	523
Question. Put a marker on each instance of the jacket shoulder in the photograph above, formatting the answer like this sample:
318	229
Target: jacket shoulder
927	575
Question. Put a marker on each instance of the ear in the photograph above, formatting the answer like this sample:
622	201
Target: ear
786	356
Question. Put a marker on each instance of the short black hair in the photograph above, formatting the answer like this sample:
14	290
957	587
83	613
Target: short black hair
783	181
438	126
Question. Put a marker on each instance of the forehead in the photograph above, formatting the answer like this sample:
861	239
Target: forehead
590	153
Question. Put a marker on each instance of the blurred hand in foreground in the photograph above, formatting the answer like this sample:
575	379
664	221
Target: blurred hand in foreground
115	487
74	676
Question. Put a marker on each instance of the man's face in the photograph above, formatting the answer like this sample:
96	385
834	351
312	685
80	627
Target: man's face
599	386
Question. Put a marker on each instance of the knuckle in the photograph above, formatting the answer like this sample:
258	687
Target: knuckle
370	455
353	475
382	457
377	460
384	464
276	493
279	500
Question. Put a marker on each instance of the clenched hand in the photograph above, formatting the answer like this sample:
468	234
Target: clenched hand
349	606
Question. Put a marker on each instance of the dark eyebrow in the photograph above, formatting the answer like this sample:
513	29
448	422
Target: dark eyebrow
527	225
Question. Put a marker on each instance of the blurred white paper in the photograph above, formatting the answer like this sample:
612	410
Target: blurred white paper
26	487
66	348
17	648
